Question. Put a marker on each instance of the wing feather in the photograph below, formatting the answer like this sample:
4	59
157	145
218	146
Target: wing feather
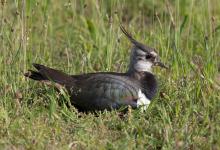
106	90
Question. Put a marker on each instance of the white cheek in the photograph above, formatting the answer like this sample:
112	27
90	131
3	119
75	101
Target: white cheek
153	53
142	101
143	66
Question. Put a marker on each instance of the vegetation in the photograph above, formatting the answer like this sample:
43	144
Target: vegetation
79	36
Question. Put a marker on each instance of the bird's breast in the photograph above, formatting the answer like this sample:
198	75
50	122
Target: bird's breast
142	100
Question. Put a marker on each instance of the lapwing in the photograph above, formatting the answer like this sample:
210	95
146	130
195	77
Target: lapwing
108	90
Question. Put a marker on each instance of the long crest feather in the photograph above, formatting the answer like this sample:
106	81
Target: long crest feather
128	35
135	42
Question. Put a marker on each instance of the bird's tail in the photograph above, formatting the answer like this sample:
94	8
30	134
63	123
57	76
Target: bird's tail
46	74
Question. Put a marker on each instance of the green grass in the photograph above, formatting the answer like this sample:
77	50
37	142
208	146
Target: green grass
84	36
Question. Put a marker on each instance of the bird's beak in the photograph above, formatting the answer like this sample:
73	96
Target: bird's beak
159	63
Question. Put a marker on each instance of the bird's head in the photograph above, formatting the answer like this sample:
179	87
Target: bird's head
143	58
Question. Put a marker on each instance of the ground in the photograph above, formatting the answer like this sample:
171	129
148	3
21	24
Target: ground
84	36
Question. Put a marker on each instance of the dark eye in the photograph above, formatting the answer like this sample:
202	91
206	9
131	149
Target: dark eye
148	56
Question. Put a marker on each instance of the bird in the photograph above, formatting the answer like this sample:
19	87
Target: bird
101	91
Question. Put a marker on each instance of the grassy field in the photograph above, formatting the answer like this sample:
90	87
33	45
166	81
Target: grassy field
84	36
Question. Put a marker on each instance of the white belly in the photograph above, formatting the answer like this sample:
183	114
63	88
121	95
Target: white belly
142	101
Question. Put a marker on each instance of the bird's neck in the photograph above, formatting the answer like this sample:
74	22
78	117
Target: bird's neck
138	75
147	81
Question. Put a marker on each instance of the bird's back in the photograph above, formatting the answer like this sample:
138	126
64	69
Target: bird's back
104	91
